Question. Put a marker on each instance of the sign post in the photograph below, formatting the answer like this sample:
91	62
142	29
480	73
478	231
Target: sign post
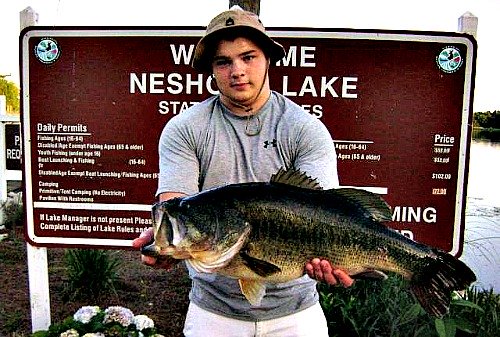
38	272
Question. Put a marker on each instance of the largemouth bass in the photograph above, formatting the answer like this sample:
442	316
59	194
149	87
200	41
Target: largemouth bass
267	231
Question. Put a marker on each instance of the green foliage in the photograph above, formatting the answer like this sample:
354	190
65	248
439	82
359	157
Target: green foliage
91	272
386	308
477	314
486	125
12	210
13	320
487	119
11	92
374	308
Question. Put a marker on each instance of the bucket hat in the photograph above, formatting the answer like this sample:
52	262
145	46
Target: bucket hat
238	21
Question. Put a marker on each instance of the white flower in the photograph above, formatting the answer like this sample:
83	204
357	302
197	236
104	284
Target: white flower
96	334
143	322
70	333
118	314
85	314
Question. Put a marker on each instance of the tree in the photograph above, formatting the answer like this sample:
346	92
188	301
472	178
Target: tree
11	92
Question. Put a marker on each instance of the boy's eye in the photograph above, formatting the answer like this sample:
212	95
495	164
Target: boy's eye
221	62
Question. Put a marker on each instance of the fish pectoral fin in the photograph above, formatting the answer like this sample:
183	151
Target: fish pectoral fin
260	267
253	290
370	274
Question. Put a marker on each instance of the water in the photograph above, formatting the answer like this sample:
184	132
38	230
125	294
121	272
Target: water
482	219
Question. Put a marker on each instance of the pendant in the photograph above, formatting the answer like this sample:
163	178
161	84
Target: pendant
253	126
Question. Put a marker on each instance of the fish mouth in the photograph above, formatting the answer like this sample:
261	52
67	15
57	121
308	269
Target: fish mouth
168	232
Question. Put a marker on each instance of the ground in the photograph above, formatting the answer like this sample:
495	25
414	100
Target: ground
161	295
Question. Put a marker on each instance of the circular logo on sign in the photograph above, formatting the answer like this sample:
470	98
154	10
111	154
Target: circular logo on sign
47	51
449	59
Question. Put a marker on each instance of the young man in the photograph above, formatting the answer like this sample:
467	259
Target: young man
245	134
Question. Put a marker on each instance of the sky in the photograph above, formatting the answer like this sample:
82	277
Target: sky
422	15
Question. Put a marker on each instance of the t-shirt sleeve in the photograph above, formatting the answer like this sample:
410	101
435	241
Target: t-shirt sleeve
178	163
316	154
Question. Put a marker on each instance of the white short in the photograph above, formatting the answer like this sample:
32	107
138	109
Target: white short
310	322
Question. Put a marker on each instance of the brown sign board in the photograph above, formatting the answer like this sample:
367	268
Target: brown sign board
94	101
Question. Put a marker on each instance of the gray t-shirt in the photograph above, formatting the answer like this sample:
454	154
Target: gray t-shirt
206	146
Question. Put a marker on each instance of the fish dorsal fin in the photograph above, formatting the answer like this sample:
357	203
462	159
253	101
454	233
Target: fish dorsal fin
372	203
296	178
253	290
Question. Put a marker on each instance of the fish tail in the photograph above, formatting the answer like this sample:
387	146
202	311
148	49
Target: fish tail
433	285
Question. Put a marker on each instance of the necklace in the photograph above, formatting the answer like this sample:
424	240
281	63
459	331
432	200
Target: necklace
253	126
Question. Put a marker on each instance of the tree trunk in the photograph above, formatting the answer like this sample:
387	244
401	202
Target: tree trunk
248	5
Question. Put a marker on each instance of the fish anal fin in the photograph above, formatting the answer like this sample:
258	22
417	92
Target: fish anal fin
370	274
260	267
253	290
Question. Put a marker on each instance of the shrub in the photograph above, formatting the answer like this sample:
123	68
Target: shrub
91	272
92	321
387	308
11	211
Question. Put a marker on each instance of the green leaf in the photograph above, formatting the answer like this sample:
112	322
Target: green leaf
411	314
469	304
466	326
440	327
445	327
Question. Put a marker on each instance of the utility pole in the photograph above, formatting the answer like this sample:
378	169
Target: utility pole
248	5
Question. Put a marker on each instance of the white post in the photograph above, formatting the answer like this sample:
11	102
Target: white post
467	23
3	168
3	180
28	17
38	271
38	279
3	105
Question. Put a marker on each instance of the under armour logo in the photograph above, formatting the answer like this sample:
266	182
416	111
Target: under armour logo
267	143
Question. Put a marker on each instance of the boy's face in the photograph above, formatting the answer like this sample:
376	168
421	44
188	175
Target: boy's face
240	69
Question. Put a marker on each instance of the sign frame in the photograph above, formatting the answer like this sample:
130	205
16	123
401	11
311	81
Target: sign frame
463	143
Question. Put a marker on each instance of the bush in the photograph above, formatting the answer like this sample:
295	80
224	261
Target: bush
386	308
91	272
93	321
11	211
